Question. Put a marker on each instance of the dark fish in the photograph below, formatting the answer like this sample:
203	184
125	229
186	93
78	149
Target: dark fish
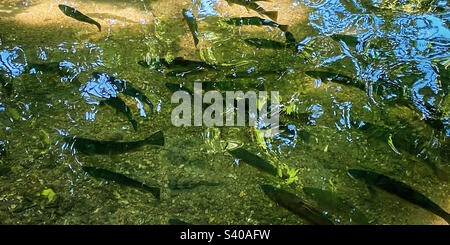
121	86
88	146
375	133
192	64
266	43
400	189
232	86
53	67
334	77
298	117
330	201
352	6
254	161
177	222
295	205
255	21
177	63
255	74
254	6
136	93
290	39
121	179
121	107
192	23
71	12
183	73
175	184
351	41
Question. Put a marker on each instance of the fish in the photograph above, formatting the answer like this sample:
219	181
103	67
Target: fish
192	23
295	205
297	116
120	86
122	107
290	39
255	74
183	73
48	67
121	179
254	6
175	221
255	21
192	64
136	93
73	13
326	76
328	200
232	86
175	184
177	63
266	43
254	160
89	146
399	189
351	41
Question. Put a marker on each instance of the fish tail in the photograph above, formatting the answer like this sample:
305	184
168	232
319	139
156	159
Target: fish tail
284	28
156	139
271	14
195	41
134	123
156	192
447	218
98	26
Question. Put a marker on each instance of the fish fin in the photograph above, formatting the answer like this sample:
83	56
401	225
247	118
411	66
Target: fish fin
231	4
156	139
195	42
272	14
99	27
156	192
446	217
134	123
284	28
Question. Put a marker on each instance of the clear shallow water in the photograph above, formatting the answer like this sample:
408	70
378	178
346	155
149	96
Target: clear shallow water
396	52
